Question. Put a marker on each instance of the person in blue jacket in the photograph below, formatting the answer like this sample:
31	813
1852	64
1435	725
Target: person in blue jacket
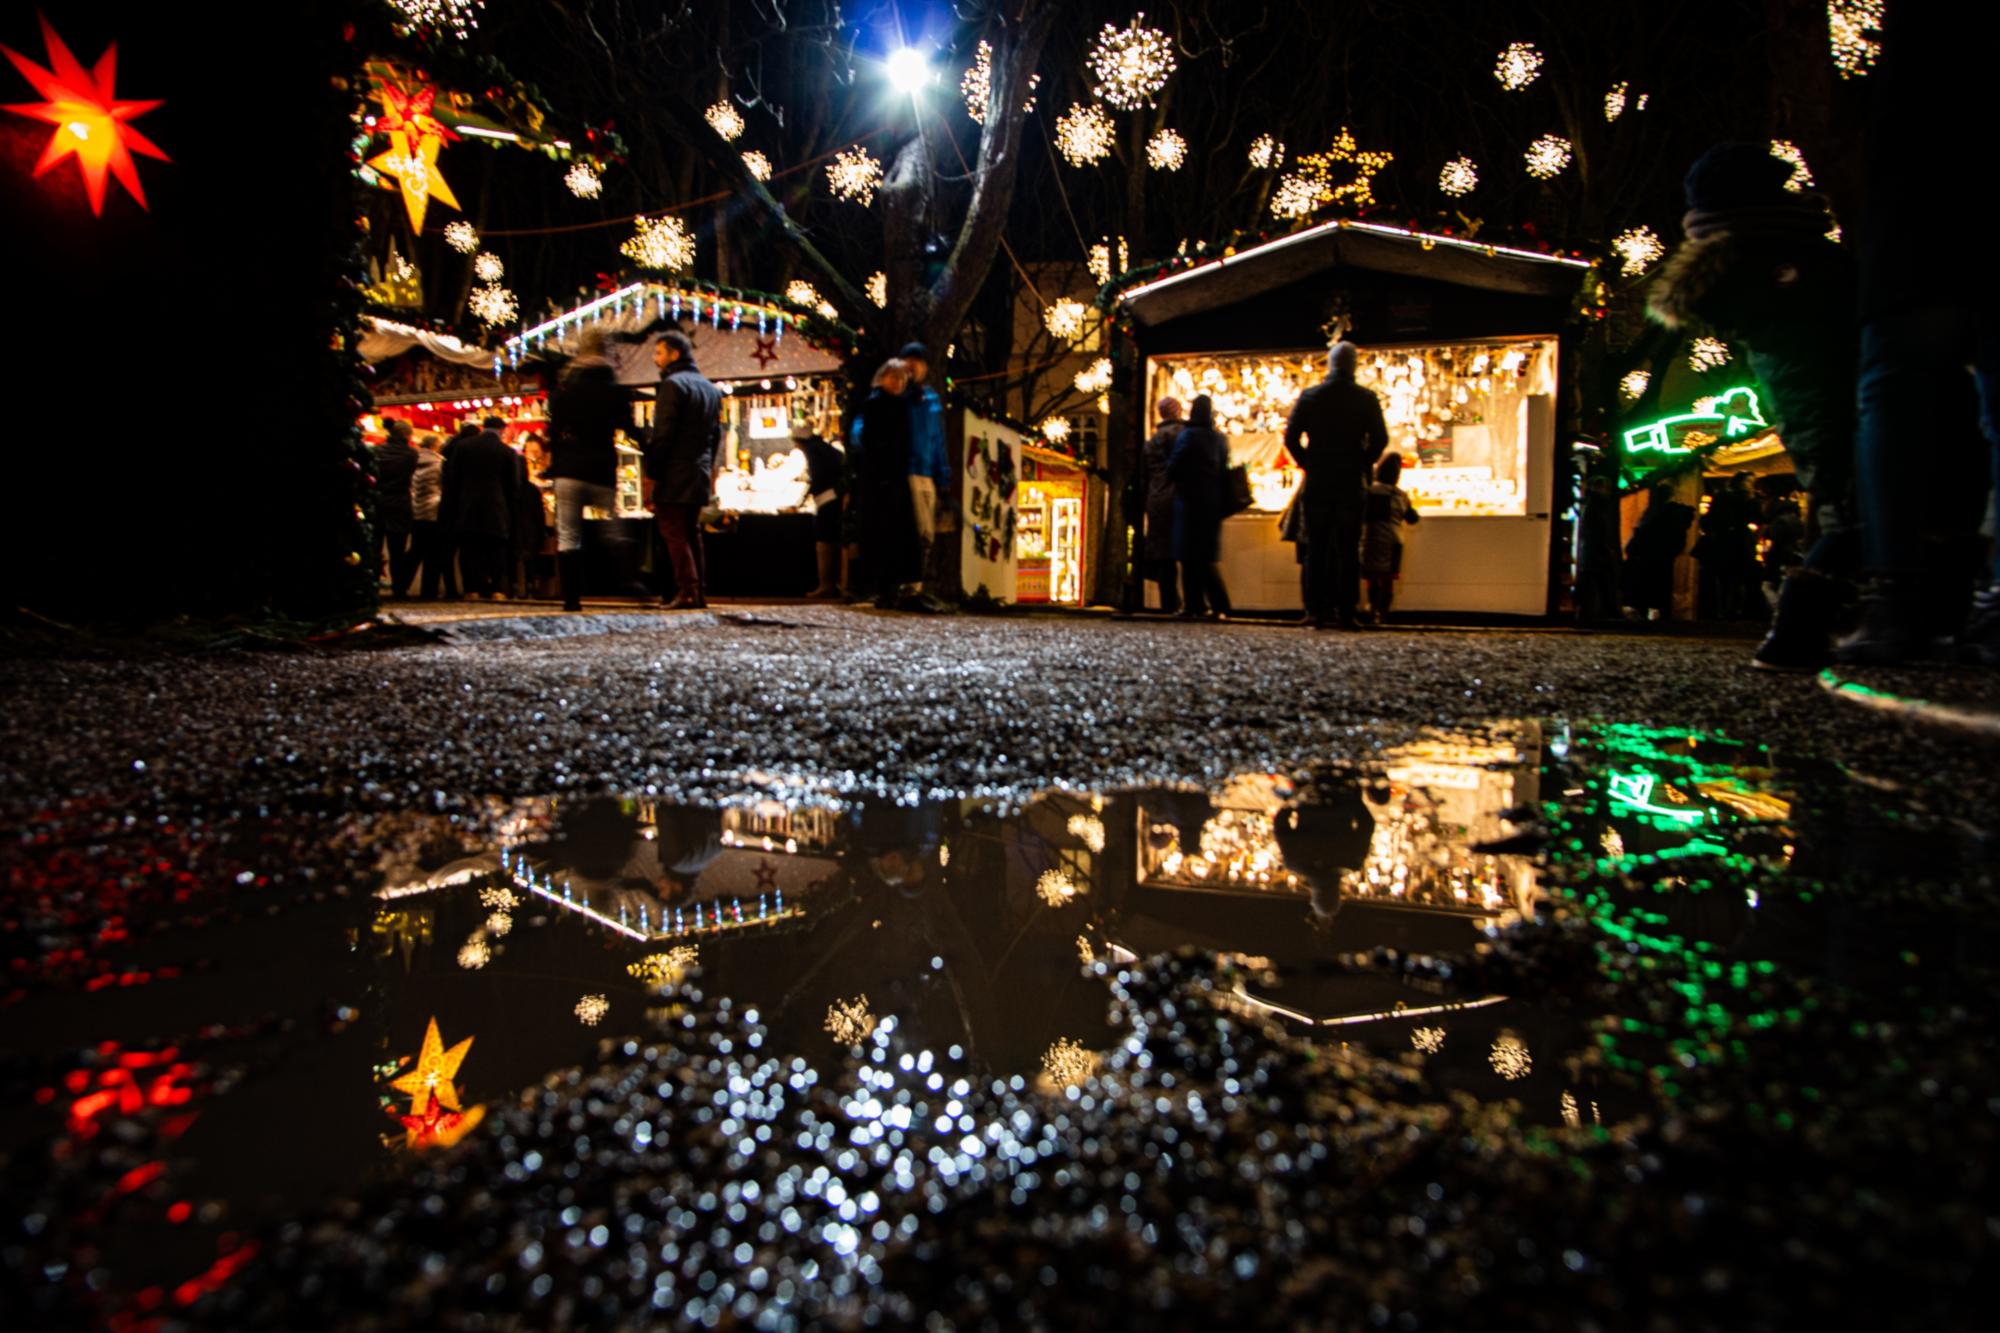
930	460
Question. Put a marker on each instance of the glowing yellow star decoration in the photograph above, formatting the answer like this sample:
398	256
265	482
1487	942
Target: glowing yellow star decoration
90	122
415	139
1310	186
431	1077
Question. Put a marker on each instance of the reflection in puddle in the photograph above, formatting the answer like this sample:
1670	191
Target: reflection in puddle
897	951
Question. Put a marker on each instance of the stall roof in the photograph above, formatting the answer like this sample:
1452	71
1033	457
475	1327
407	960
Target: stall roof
1345	243
737	338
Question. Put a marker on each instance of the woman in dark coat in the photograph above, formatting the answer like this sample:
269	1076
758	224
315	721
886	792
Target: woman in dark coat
1159	550
481	477
1657	541
1198	467
891	550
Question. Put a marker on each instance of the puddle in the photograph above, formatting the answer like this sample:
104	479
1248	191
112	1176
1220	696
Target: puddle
1485	921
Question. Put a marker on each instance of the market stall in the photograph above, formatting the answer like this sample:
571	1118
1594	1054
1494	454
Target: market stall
1025	516
1461	341
776	382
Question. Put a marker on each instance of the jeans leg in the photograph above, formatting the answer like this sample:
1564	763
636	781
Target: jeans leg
1194	587
1912	435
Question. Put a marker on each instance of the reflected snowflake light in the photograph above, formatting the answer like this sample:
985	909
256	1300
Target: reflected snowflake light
1510	1058
800	292
1055	888
1089	828
474	954
848	1021
1095	378
499	924
1084	953
1572	1115
1614	101
664	969
1101	262
458	18
498	897
976	86
1428	1040
1068	1062
1056	430
591	1009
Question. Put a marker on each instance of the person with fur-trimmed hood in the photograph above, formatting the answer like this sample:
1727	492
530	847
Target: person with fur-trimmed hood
1758	268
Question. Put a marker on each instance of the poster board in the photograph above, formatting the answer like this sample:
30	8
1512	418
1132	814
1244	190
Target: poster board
991	455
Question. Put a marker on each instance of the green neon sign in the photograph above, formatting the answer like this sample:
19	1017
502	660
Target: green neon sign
1634	792
1732	415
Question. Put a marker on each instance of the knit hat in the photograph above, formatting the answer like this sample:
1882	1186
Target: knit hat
1738	175
916	351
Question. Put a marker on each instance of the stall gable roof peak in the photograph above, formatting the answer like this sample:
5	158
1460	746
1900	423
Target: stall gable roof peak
1347	242
646	288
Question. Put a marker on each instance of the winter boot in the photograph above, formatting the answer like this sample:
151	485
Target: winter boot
569	568
1892	628
1801	637
1979	641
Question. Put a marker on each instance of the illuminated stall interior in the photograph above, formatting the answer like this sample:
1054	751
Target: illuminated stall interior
1049	546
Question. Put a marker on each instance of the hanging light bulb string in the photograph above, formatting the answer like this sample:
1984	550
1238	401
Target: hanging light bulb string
715	198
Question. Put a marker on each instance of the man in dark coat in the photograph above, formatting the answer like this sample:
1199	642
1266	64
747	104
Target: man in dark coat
1336	432
482	476
1159	547
588	409
395	465
891	546
680	462
1198	469
447	513
1759	268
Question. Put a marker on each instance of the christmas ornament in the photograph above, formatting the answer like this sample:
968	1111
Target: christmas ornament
1131	64
1639	248
487	267
1548	157
415	139
492	304
1459	177
1084	135
1310	185
758	165
1065	319
583	180
660	243
461	236
878	289
854	175
725	120
431	1077
90	121
1266	152
1519	65
1166	151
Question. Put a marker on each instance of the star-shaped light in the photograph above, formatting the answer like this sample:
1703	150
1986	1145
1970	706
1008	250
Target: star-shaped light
415	138
90	121
431	1077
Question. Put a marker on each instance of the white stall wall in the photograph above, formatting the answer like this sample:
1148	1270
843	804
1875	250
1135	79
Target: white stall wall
991	457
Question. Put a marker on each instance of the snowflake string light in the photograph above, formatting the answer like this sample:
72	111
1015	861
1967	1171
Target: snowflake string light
1101	262
1632	386
474	954
1639	248
664	969
1065	319
1548	157
977	85
848	1021
800	292
487	267
498	897
1509	1058
1834	233
1095	378
458	18
1084	953
725	120
758	165
878	289
1310	185
1428	1040
1519	65
1266	153
1572	1114
1460	177
583	180
1054	887
1788	152
1706	354
828	310
400	269
1849	25
1614	101
461	236
492	304
660	243
1068	1062
1166	151
591	1009
1084	135
500	923
1089	828
1131	64
854	175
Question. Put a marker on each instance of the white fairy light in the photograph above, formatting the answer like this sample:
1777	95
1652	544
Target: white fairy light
828	310
660	243
1089	828
1706	354
854	175
1065	319
1572	1114
499	923
977	85
1312	185
725	120
800	292
848	1021
498	897
1428	1040
878	289
1266	153
1519	65
1068	1062
758	165
473	954
1849	25
492	304
1295	196
1459	177
1614	101
1639	248
1548	157
1102	265
1084	134
1166	151
591	1009
457	17
461	236
583	180
1632	385
487	267
1510	1058
1788	152
1054	887
1131	64
1096	378
1084	953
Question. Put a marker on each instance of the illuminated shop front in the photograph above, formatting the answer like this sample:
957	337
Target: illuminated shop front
1049	530
1461	342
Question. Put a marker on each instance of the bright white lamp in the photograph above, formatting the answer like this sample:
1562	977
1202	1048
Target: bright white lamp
908	70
